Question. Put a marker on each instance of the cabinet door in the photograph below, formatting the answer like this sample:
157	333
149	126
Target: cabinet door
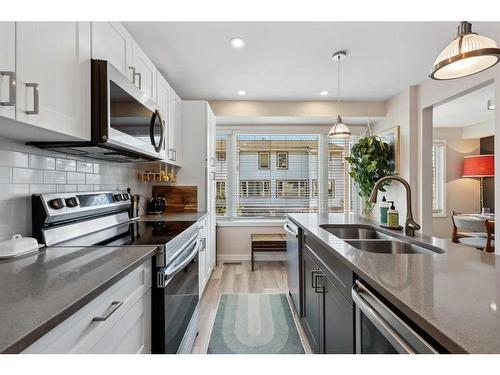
145	72
337	320
132	334
312	302
53	76
163	100
178	129
111	42
7	69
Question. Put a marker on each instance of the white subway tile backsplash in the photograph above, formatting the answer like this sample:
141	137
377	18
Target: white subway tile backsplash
41	162
85	187
85	167
13	159
26	170
94	179
65	165
66	188
5	175
27	176
76	178
54	177
42	189
14	191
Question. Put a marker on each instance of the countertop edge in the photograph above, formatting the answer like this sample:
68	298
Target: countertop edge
24	342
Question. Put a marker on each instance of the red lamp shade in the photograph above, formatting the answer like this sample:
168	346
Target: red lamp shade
479	166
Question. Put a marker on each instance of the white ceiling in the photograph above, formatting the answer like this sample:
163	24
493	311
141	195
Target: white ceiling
466	110
292	60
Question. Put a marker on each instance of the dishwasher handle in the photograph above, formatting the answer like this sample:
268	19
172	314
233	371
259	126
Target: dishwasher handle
287	229
394	329
167	273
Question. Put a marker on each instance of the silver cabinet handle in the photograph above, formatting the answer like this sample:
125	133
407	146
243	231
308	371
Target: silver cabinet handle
36	97
287	229
203	244
212	176
403	338
212	162
132	68
175	154
140	79
12	88
115	305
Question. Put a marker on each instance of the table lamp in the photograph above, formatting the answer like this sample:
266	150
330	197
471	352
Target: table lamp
479	166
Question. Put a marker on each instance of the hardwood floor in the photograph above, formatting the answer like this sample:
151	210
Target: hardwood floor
268	277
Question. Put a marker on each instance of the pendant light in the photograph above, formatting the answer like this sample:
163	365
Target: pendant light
467	54
339	129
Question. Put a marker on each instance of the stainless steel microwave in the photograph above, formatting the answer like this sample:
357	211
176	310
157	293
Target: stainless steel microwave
125	122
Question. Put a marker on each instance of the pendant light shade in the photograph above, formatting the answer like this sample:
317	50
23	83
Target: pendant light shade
339	129
467	54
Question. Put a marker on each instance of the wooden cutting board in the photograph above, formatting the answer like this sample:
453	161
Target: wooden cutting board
179	198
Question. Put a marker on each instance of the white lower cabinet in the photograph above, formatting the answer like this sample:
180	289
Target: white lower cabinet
116	321
8	69
132	334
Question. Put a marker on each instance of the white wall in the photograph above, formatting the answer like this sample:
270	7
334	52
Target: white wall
462	194
234	243
27	170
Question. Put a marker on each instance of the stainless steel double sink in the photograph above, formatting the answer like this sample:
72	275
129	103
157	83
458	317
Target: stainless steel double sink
370	239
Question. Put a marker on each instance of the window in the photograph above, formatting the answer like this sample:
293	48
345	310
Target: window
282	160
255	188
264	160
221	155
220	175
331	188
292	188
439	178
273	175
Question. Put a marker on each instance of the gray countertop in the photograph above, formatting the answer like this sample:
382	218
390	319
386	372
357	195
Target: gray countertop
174	216
454	297
39	291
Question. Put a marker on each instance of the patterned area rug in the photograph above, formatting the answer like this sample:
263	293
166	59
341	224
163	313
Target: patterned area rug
254	324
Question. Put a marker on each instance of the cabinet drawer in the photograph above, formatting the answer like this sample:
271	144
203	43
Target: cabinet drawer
132	334
337	272
80	332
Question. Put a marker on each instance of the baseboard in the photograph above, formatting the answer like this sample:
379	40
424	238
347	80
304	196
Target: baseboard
246	257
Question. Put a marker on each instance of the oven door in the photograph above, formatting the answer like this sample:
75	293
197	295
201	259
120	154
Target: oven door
380	331
122	115
177	302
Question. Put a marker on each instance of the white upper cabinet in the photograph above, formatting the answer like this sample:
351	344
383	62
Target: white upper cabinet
163	101
144	72
175	129
8	69
112	42
53	76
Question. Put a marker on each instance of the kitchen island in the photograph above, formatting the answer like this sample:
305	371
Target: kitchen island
452	297
42	290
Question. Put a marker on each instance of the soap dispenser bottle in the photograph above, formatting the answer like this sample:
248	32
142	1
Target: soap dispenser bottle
384	207
392	216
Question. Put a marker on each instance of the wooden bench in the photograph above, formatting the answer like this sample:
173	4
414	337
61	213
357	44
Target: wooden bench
268	242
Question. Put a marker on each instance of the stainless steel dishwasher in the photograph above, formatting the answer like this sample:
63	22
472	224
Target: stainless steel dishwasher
294	260
379	330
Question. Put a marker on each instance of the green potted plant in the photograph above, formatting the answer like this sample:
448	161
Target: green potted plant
370	160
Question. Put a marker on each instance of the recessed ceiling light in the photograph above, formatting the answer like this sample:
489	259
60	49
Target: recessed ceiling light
237	42
242	92
323	93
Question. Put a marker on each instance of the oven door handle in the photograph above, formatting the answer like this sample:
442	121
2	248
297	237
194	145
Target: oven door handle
167	273
396	331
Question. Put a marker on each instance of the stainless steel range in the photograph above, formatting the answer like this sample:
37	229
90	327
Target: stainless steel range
102	219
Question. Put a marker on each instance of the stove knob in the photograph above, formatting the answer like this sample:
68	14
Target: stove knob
56	204
118	197
71	202
126	197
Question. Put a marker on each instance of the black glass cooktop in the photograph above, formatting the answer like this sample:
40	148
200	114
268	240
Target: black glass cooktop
136	233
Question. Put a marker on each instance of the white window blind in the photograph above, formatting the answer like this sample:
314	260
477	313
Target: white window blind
273	175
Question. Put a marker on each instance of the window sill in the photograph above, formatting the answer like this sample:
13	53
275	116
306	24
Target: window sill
249	222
